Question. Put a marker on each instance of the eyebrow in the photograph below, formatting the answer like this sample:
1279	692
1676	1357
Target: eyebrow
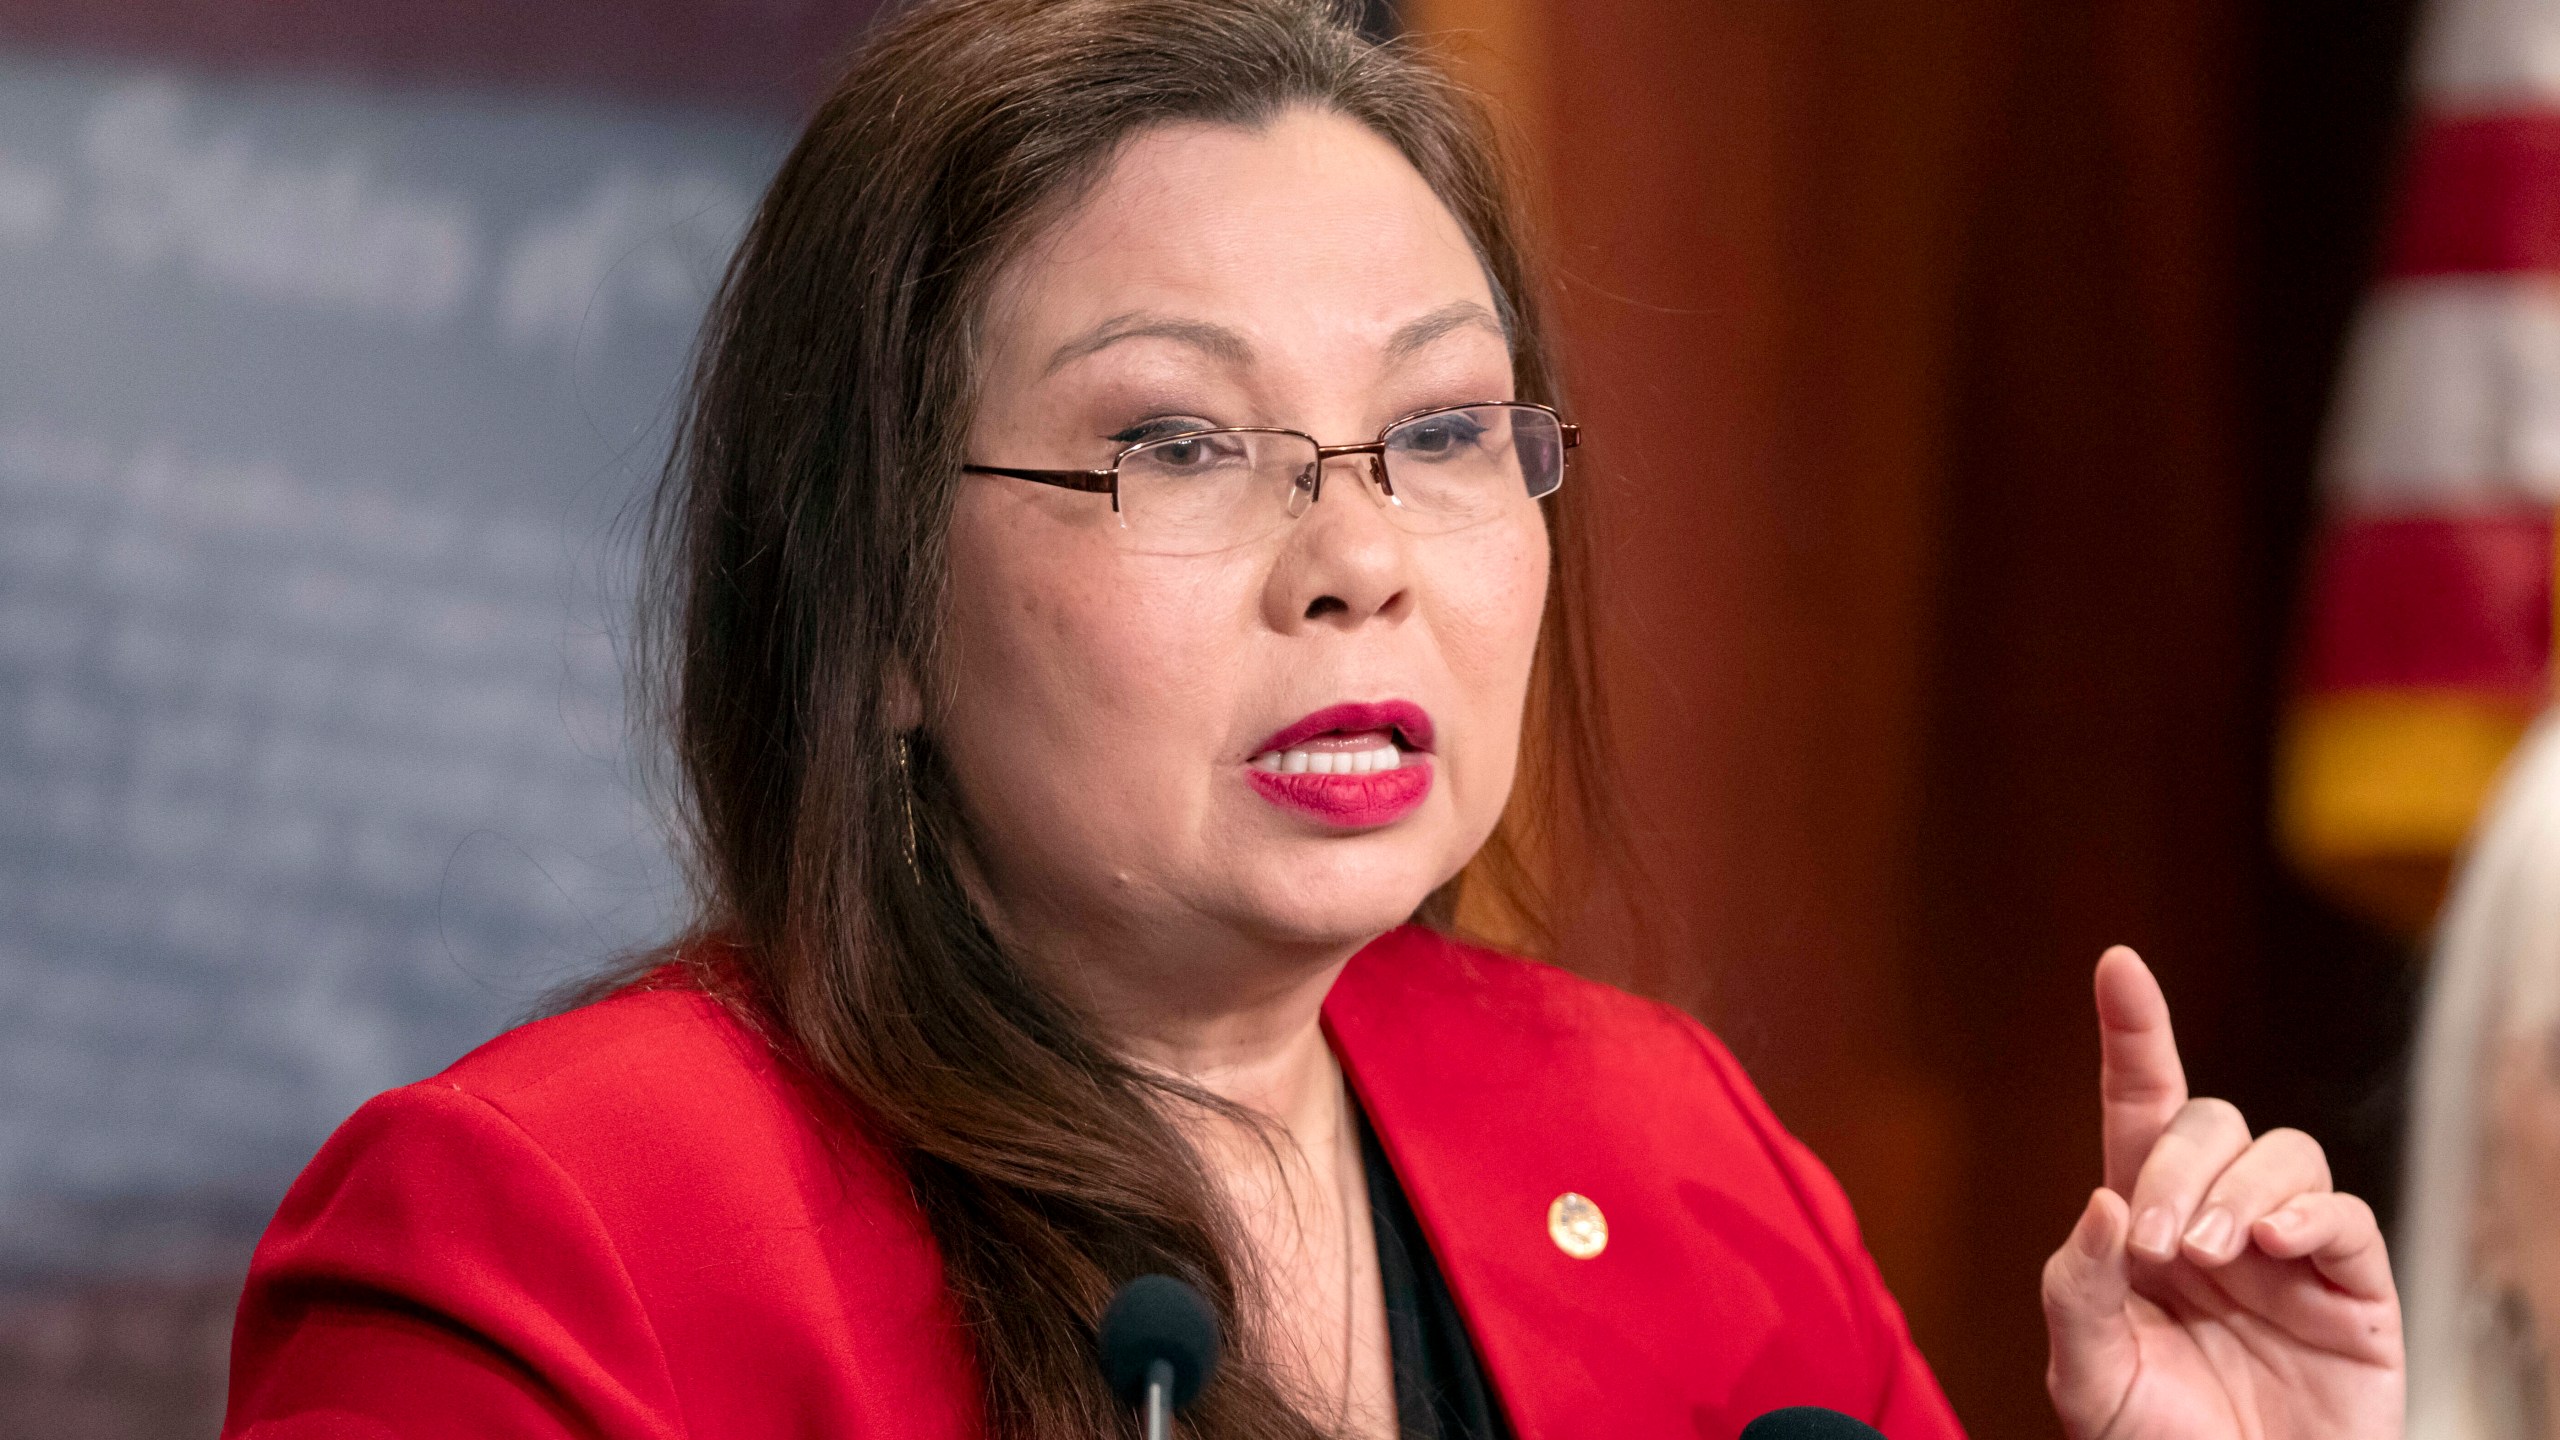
1221	343
1217	341
1448	319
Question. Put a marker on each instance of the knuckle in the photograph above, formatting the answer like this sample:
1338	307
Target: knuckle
2215	1116
2202	1135
2136	1089
2286	1138
2177	1141
2300	1149
2172	1171
2057	1279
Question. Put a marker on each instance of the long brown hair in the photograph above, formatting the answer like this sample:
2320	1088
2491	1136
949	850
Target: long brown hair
798	552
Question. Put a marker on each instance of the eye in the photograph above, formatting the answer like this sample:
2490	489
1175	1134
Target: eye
1220	451
1183	447
1439	435
1160	427
1182	454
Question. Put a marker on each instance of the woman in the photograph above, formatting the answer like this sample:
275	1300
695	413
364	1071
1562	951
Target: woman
1117	537
2482	1238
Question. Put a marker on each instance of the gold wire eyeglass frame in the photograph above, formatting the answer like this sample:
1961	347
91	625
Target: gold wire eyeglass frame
1107	481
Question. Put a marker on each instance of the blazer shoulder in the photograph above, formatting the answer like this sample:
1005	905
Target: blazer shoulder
1575	1024
1510	1002
664	1092
1427	1013
1501	1086
629	1213
641	1050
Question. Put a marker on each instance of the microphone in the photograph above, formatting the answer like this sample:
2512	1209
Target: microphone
1157	1346
1808	1422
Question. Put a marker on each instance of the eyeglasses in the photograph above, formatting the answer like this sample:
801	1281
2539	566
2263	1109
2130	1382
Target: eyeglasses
1439	471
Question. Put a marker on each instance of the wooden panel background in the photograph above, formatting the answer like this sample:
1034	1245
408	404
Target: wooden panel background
1953	373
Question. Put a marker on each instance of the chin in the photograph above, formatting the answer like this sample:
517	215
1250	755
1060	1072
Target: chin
1338	904
1336	927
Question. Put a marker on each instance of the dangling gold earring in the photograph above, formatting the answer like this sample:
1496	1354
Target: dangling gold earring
907	809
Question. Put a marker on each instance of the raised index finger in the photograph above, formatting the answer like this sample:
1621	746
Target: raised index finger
2140	1082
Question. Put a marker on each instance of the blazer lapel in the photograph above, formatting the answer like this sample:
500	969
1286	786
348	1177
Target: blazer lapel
1454	1081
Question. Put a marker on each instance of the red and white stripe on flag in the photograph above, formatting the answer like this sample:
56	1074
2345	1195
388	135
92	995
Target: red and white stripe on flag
2428	628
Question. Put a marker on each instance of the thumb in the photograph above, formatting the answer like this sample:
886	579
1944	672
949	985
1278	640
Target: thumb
2085	1288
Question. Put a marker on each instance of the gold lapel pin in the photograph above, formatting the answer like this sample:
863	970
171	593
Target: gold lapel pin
1577	1226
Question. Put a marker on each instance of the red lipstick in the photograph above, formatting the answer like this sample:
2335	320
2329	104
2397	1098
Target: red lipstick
1410	722
1356	766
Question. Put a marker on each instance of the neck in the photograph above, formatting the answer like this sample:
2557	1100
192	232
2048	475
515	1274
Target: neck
1270	1057
1236	1016
1243	1020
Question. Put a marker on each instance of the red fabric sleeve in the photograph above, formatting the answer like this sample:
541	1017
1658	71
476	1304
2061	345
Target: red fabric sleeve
434	1273
1908	1404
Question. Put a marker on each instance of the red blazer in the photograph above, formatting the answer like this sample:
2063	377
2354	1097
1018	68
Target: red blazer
630	1221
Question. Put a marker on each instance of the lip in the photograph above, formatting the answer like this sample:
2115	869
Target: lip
1411	723
1353	802
1348	802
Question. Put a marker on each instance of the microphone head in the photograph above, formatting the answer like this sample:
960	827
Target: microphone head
1809	1422
1156	1317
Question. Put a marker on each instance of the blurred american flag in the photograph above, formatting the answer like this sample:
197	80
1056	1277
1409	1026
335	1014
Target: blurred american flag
2427	636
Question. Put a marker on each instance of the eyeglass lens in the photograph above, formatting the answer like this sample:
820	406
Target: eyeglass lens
1445	471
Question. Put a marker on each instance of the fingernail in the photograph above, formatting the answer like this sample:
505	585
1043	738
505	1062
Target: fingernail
2156	1233
2211	1233
2284	1219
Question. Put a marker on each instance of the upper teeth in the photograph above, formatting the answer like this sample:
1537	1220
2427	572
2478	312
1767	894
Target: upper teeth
1329	762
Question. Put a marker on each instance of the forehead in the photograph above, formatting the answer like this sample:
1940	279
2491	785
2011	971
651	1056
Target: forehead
1310	224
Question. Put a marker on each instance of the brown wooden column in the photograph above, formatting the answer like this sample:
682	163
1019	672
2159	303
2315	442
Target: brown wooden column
1903	335
1759	277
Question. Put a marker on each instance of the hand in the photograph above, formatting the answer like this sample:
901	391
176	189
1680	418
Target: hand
2217	1286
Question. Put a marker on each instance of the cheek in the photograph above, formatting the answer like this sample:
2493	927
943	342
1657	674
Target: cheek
1493	596
1071	667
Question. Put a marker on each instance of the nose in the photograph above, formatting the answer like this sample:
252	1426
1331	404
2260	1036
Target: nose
1343	565
1310	483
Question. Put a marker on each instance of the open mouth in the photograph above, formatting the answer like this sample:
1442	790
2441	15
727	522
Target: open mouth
1348	766
1335	753
1354	739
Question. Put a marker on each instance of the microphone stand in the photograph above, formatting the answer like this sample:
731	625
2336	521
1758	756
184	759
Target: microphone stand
1157	1345
1159	1402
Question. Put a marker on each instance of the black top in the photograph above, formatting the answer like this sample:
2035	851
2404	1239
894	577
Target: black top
1441	1393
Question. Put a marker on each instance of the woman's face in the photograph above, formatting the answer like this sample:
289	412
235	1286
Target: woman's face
1122	718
